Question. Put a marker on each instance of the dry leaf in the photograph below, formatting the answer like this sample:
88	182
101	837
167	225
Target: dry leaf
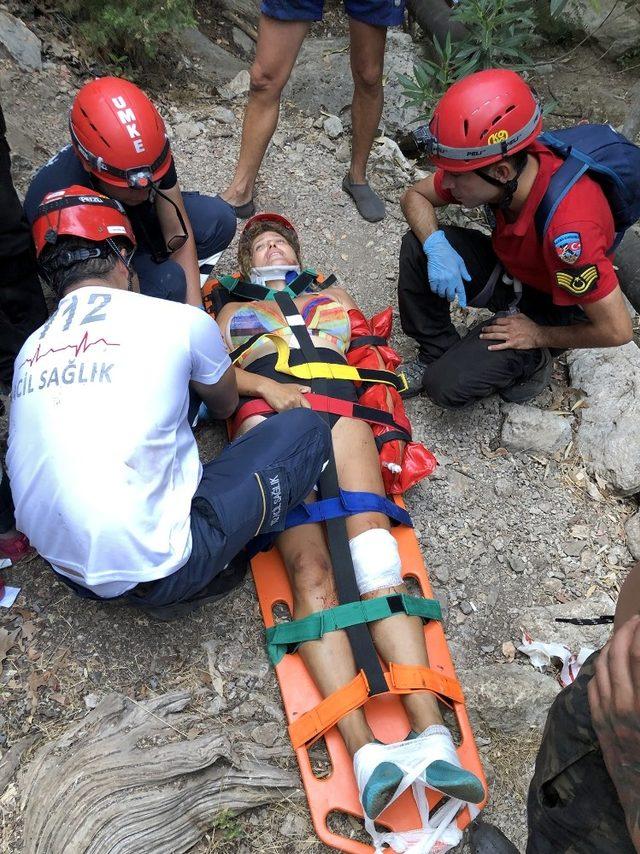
580	532
593	491
7	640
28	630
40	680
509	650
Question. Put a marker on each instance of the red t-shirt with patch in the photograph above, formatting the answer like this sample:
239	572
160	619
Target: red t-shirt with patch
572	264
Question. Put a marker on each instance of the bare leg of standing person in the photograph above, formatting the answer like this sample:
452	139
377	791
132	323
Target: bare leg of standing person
367	65
278	46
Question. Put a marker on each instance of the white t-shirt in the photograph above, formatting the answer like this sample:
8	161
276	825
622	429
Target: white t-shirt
102	461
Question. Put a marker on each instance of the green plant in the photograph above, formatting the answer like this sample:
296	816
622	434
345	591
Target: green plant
128	32
497	32
226	826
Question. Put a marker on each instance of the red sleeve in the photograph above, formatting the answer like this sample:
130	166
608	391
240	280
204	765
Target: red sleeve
576	256
445	195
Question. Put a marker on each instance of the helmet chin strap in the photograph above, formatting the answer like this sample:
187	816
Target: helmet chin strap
508	187
262	275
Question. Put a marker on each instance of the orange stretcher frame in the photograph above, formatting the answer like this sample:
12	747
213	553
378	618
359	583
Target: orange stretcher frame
385	713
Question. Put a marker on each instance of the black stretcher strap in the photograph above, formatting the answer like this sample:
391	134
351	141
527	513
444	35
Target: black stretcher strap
364	340
391	436
364	651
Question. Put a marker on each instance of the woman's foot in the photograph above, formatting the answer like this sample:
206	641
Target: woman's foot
377	780
430	756
445	774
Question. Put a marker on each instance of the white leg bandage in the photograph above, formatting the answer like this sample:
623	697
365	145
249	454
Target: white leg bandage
376	560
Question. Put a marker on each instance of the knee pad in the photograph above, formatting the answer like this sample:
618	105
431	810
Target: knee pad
376	560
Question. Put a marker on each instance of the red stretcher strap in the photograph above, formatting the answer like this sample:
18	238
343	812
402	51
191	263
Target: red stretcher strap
319	403
401	679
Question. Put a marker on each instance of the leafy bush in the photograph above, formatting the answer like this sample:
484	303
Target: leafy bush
128	32
497	32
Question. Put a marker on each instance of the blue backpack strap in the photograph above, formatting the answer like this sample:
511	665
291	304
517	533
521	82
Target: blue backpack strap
561	182
346	504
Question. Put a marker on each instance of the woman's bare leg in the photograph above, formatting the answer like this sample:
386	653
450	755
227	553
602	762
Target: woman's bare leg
399	638
329	660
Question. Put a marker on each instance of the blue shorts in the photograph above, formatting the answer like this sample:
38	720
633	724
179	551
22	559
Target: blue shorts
378	13
246	491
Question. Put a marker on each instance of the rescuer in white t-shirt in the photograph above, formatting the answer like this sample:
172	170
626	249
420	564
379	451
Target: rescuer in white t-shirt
104	467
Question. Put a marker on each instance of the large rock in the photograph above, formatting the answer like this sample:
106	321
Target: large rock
213	63
632	530
541	623
506	697
614	25
527	428
236	87
19	42
321	78
608	438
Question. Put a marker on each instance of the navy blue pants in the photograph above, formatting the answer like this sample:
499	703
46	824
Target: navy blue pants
246	491
7	519
214	226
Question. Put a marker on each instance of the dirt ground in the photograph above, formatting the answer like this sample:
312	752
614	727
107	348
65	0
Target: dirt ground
498	530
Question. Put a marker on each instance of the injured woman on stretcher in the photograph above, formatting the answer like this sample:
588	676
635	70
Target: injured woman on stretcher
248	311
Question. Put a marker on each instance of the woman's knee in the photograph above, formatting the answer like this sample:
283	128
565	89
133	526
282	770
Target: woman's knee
311	578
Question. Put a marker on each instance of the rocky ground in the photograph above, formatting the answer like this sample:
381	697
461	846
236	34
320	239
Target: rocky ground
512	538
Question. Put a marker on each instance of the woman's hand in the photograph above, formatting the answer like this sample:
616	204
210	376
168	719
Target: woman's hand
281	396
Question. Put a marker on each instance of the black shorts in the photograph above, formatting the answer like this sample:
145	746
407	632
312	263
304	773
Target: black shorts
265	366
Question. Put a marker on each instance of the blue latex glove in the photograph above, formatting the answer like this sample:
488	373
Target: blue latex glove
446	268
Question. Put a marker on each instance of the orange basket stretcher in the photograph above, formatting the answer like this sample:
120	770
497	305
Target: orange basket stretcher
385	713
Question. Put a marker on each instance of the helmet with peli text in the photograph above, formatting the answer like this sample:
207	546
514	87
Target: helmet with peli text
481	119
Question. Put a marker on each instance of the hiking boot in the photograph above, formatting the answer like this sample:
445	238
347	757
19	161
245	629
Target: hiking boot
414	375
533	385
486	839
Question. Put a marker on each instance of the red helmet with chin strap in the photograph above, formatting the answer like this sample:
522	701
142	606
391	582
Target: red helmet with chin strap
269	217
118	133
79	212
480	120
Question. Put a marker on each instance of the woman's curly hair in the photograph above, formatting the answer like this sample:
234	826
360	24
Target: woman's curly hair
248	237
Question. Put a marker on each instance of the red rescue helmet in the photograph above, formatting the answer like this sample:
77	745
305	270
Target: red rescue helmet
481	119
80	212
269	217
118	133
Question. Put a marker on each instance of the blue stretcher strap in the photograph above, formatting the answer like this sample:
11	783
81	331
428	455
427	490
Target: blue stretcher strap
346	504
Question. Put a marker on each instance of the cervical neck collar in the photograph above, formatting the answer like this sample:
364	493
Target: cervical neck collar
283	273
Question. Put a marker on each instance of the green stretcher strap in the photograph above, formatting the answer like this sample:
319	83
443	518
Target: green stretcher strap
287	637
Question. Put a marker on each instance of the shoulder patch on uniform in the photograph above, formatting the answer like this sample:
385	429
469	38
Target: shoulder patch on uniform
568	247
580	281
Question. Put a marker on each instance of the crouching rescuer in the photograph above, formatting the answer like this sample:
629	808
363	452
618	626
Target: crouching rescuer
557	204
104	467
